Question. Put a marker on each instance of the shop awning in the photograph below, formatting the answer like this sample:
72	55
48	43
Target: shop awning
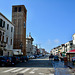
72	51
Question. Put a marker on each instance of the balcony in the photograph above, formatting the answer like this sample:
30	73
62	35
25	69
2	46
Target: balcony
2	29
2	44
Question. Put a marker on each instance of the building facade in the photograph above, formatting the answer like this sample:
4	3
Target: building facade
34	50
43	52
68	46
29	45
73	37
6	36
19	13
64	48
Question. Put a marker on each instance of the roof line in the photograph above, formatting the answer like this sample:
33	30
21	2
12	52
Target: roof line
6	18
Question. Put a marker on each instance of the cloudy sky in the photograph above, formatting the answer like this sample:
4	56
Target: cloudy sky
51	22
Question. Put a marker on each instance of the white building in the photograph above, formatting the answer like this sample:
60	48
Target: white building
56	51
53	51
68	46
62	48
7	36
41	51
73	36
29	45
34	50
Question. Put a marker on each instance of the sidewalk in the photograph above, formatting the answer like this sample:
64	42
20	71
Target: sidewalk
71	65
61	69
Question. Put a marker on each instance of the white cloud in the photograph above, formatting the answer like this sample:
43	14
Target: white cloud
56	41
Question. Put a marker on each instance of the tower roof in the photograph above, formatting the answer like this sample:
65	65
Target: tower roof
20	6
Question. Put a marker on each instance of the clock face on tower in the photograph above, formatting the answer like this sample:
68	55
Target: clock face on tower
24	25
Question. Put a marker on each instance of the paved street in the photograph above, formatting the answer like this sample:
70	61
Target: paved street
40	62
40	66
25	71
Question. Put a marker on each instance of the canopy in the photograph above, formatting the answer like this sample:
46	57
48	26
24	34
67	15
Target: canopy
72	51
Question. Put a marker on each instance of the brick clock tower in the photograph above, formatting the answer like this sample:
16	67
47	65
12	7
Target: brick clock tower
19	13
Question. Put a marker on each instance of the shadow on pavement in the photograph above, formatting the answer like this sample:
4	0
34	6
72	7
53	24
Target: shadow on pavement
36	63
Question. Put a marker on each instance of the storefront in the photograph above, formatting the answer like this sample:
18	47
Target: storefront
70	54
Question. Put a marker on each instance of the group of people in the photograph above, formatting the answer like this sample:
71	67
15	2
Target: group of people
61	58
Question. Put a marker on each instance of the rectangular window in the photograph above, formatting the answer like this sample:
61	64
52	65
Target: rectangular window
7	26
3	39
19	9
11	42
15	9
0	22
11	29
7	40
71	44
3	24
